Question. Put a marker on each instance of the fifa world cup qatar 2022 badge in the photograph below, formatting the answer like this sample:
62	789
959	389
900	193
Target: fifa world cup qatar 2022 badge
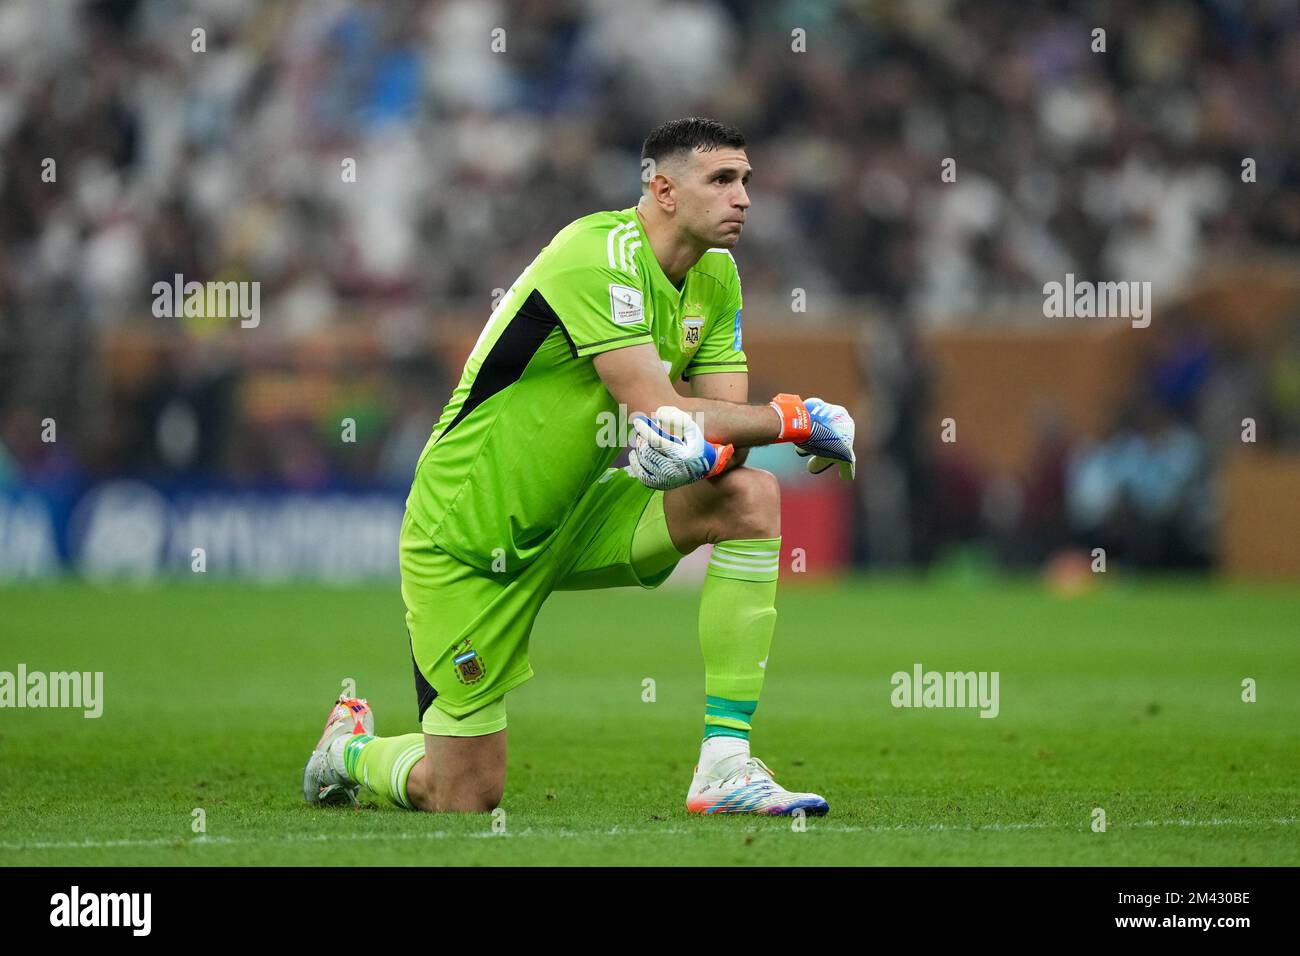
469	666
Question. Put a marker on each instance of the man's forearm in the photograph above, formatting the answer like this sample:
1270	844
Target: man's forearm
731	423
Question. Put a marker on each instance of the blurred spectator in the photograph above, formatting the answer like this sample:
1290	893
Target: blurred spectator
1142	492
375	166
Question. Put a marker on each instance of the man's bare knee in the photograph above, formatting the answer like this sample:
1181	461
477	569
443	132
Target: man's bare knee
751	505
460	774
465	794
741	503
468	802
474	792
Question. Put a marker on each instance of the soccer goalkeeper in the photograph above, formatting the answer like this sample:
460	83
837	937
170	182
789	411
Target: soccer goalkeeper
514	496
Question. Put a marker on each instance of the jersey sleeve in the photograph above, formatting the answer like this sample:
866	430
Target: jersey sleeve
721	349
600	309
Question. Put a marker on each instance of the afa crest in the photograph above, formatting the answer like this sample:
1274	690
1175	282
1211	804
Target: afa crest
469	666
691	329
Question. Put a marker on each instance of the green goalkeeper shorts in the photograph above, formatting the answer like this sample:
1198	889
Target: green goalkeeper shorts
469	628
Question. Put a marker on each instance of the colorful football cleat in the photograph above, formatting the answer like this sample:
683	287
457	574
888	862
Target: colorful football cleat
743	784
322	782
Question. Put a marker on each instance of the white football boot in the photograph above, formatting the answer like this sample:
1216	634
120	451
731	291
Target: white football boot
744	784
322	782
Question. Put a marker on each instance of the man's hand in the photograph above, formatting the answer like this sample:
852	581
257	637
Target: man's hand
671	451
831	439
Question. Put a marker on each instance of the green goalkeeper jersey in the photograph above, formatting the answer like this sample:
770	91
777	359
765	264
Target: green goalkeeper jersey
531	425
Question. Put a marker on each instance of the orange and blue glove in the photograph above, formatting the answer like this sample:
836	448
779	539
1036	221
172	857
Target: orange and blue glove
819	431
671	451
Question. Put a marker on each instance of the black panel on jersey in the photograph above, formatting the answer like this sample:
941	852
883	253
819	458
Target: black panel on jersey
511	353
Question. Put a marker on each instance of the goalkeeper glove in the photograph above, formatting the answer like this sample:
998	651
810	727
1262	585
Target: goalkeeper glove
820	430
671	451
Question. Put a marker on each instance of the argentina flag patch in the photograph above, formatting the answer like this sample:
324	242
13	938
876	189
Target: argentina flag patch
735	341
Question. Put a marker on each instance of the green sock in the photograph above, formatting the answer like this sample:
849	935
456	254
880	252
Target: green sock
737	617
383	764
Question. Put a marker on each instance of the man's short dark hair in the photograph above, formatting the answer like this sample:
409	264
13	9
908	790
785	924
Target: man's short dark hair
687	135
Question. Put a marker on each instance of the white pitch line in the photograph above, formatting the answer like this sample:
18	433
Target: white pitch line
614	831
1038	825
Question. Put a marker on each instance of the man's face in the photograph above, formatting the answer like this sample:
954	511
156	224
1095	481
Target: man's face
712	200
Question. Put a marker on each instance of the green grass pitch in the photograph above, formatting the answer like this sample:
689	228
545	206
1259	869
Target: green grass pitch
1128	699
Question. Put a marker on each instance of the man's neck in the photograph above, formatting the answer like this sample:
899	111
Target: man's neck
675	254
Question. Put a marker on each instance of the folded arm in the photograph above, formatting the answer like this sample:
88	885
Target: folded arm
635	377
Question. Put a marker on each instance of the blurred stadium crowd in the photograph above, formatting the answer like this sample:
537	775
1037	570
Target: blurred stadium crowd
226	165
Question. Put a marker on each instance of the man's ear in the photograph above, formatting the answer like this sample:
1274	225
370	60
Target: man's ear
661	182
664	190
